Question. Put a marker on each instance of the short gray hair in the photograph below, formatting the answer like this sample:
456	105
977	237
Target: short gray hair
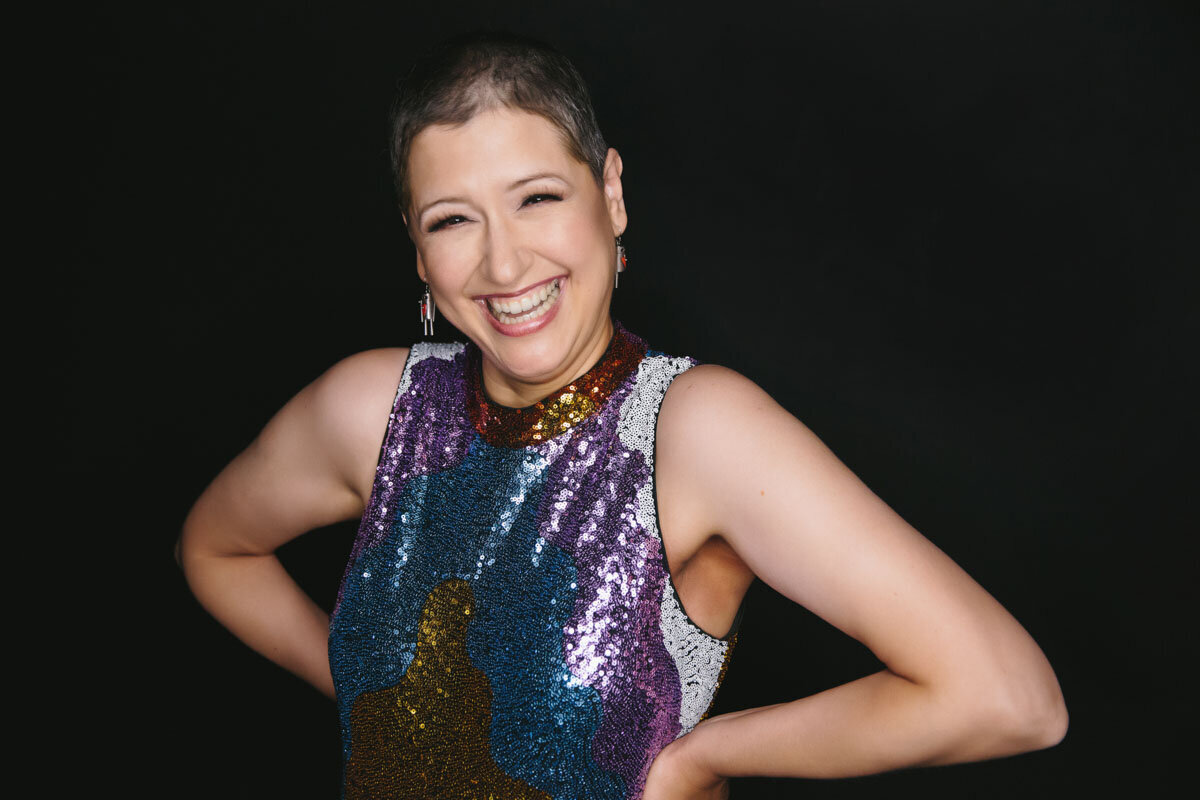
479	71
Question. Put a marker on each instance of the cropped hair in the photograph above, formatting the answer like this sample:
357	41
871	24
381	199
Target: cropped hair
479	71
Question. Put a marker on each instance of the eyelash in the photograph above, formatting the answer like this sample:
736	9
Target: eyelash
441	223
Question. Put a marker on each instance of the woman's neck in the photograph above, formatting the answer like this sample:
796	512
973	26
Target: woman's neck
506	391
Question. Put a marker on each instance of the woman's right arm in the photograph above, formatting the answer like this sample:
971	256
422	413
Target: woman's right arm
312	465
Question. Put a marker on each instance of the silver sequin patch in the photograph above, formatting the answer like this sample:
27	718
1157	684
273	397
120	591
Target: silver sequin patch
698	655
423	350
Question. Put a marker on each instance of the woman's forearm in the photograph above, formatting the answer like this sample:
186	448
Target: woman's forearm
874	724
259	602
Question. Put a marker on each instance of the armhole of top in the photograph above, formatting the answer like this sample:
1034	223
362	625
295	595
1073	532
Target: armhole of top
662	542
373	498
389	431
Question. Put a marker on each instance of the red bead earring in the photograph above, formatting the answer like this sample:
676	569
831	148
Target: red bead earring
622	263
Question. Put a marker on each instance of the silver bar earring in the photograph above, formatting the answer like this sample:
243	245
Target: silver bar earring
427	311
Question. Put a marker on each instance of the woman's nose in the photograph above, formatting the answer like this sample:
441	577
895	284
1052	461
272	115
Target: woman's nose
506	258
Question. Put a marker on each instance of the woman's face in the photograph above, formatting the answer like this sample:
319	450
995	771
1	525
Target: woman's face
516	242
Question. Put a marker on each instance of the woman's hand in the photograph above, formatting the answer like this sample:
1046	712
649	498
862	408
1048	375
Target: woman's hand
677	774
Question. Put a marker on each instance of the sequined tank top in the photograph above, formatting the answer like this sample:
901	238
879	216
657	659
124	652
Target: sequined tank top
506	626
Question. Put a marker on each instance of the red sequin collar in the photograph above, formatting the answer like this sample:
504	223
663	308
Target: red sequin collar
562	409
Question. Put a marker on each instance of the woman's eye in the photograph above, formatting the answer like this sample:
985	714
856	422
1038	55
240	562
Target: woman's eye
445	222
535	199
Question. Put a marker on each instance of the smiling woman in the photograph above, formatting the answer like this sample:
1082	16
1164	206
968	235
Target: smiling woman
560	525
515	237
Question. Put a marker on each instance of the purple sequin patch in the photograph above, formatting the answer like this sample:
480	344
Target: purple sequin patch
588	511
422	437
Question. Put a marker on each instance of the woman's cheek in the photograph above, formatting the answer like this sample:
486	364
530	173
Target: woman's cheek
448	262
571	239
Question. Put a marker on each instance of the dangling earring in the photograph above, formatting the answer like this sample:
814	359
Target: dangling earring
427	311
622	263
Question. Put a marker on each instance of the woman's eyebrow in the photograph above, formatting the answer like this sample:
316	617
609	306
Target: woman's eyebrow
522	181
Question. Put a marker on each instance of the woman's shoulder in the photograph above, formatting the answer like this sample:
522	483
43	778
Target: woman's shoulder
710	393
699	404
366	378
351	404
713	418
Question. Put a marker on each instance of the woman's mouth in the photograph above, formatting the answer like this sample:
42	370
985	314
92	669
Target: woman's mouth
527	307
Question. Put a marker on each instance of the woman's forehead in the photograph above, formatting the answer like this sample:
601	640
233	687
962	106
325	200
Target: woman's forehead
493	148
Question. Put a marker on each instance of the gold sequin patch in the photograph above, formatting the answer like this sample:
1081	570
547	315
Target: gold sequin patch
561	410
427	736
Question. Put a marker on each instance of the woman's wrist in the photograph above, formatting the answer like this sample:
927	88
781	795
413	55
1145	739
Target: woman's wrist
710	748
698	751
682	770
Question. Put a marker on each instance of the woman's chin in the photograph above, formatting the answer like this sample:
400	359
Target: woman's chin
527	361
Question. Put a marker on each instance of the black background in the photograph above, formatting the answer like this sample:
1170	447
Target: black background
957	240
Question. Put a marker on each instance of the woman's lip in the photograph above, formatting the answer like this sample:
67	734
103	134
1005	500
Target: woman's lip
519	292
529	326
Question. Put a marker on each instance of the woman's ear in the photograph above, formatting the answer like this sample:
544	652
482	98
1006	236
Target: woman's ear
614	194
420	264
421	273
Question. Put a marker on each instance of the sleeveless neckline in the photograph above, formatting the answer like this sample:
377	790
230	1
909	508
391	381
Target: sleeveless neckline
560	410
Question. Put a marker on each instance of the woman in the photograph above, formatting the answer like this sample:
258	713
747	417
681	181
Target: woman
549	498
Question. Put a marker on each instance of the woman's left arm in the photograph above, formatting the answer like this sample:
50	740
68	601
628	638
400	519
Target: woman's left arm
964	681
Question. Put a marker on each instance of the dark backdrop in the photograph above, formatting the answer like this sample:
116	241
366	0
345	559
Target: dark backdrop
957	240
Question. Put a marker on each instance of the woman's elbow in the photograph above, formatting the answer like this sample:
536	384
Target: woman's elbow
1049	726
1033	716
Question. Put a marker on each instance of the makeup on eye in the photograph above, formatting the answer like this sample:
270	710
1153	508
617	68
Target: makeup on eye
539	197
443	222
548	195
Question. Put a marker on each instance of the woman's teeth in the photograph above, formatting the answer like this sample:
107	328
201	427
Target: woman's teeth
510	311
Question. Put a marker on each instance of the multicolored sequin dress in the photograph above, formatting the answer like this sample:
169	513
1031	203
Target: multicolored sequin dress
507	627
